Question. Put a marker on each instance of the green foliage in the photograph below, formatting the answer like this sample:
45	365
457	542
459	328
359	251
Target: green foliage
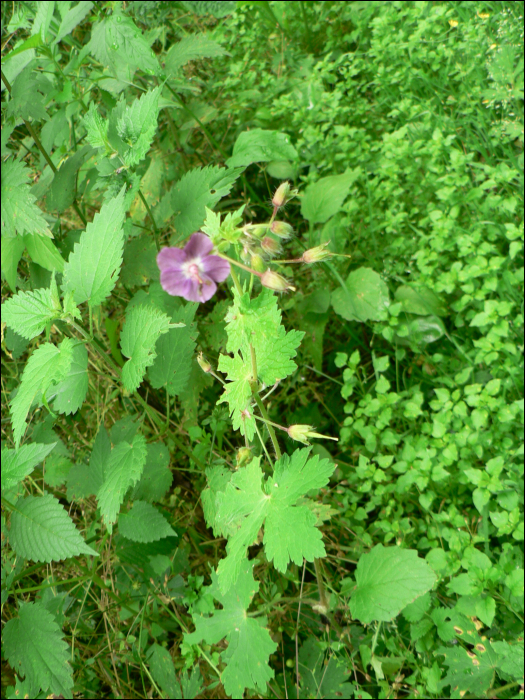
387	563
143	326
249	642
387	581
34	644
247	502
91	271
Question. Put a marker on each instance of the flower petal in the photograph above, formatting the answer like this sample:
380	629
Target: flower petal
198	246
173	282
216	268
171	259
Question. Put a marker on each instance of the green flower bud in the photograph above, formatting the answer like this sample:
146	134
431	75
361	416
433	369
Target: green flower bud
243	456
203	363
317	254
301	433
283	195
258	231
257	263
276	282
281	229
270	246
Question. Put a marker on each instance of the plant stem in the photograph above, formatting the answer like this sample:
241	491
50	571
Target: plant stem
155	229
244	267
320	585
273	436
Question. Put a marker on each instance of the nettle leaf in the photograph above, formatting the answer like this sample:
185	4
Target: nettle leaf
191	48
124	469
365	296
11	251
96	127
84	481
28	313
142	328
175	350
324	198
321	677
290	526
28	93
118	43
18	209
197	189
388	579
47	365
137	126
71	392
62	192
156	478
217	8
42	530
17	464
34	646
261	146
144	523
249	642
72	19
91	272
44	252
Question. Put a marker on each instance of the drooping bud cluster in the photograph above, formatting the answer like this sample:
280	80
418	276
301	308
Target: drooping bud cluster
281	229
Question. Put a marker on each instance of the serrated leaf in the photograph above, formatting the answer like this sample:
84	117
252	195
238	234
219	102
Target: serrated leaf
92	269
34	646
249	642
17	464
47	365
83	480
388	579
28	313
42	530
324	198
71	392
142	328
197	189
62	192
175	350
217	8
72	18
118	43
137	125
322	677
261	146
144	523
96	127
123	470
365	296
12	250
18	209
27	95
191	48
140	261
156	478
290	531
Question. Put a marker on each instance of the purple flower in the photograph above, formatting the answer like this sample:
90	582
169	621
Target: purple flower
191	272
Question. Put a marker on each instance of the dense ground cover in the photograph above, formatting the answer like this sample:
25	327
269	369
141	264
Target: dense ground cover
170	525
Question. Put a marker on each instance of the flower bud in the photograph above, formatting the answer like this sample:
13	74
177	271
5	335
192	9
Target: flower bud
259	231
283	195
270	246
281	229
243	455
276	282
317	254
203	363
301	433
257	263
